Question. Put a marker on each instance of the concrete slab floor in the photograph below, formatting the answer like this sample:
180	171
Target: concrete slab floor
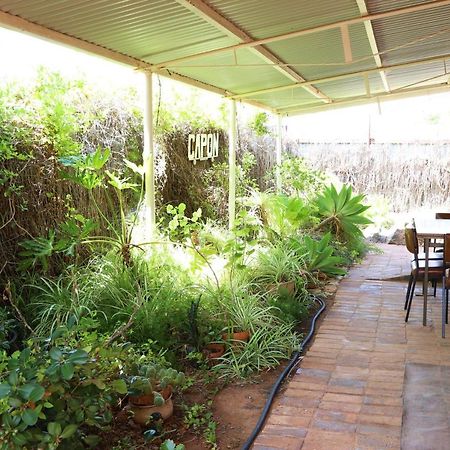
369	381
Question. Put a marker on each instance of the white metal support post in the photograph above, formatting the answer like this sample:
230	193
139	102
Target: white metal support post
149	156
232	165
278	154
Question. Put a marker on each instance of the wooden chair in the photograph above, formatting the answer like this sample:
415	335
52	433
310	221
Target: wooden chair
438	244
445	283
420	255
435	267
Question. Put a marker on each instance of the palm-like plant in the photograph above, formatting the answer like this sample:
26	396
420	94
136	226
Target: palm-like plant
342	212
318	256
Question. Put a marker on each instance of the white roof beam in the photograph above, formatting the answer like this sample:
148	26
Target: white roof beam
372	41
346	44
206	12
294	34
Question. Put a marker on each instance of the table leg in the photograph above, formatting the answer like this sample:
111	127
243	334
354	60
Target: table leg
426	242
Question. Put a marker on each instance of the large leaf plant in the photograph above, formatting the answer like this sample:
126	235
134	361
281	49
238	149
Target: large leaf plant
342	212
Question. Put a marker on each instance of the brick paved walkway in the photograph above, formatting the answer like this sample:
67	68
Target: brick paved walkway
365	381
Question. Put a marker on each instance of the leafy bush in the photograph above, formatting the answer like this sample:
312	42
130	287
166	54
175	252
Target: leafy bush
53	394
299	179
275	264
291	308
57	392
269	344
54	301
8	329
281	215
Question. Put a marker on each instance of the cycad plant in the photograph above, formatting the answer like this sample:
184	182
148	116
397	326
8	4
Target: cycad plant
342	213
318	255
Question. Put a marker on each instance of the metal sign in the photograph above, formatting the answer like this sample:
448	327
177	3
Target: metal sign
203	146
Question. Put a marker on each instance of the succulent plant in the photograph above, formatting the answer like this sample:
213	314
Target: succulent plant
151	379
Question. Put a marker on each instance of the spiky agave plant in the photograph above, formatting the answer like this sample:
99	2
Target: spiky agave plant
342	213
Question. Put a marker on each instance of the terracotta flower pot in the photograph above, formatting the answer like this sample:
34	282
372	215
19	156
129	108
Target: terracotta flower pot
142	400
148	399
214	350
289	286
243	336
142	413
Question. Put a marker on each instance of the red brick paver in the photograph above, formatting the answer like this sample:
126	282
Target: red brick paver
349	391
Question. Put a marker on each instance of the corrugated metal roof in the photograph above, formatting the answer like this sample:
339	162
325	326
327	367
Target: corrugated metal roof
377	6
415	36
206	42
321	54
234	79
288	98
269	18
341	89
426	74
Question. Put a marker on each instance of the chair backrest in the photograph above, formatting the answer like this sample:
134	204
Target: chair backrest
444	215
412	244
447	250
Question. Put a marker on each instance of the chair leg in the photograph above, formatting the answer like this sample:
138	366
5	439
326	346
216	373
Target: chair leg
444	306
408	291
411	295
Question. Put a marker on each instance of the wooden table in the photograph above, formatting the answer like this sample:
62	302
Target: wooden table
430	229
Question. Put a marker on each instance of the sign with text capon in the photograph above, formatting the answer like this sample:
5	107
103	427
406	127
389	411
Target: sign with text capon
203	146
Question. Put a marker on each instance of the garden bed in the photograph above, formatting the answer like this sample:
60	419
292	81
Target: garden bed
234	408
105	313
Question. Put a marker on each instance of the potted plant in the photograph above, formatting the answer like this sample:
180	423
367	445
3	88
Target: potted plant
208	345
276	268
240	318
150	388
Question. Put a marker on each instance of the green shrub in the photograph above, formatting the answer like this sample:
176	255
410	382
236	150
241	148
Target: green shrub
298	179
291	308
267	346
54	395
275	264
281	215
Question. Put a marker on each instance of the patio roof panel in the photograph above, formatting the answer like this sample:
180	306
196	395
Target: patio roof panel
424	75
378	6
322	55
270	18
418	35
220	69
287	99
134	28
238	48
341	89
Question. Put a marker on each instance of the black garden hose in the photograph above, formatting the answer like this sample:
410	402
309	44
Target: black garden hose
294	359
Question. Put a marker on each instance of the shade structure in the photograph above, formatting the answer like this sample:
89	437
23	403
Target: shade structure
289	57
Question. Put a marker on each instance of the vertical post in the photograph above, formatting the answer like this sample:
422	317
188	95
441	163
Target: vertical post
148	156
232	166
278	155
